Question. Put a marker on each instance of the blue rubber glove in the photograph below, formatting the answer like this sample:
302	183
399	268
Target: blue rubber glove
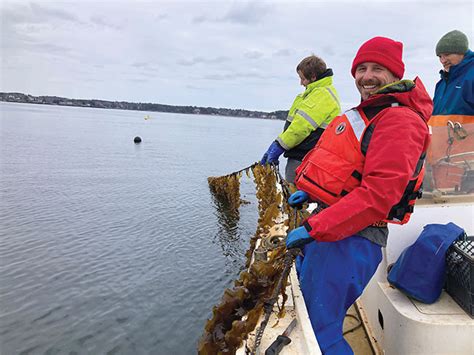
298	198
297	238
272	154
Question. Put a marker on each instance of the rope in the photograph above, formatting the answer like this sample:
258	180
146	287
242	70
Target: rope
289	257
268	307
281	181
287	194
243	169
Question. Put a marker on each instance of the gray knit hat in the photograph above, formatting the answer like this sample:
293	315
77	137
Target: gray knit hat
452	42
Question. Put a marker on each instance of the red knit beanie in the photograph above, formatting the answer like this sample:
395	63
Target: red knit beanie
384	51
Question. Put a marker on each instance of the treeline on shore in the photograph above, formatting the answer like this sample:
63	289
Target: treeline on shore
140	106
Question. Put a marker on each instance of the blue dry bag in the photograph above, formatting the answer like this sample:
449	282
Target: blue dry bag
420	270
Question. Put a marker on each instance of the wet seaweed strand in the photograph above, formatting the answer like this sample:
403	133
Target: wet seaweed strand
240	308
269	202
226	189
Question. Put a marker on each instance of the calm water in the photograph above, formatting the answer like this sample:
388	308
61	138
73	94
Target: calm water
107	247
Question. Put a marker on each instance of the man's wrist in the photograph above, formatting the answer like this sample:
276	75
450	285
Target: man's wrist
307	226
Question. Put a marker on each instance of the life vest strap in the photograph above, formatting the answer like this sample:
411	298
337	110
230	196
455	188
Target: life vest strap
357	175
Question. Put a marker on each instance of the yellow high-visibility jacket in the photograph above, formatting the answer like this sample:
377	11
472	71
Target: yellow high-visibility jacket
309	115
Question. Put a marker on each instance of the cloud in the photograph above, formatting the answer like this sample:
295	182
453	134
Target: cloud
282	53
18	42
145	68
24	26
218	76
139	80
242	13
20	15
202	60
44	13
204	18
101	22
161	17
248	13
208	53
51	48
253	54
141	65
328	50
197	88
234	76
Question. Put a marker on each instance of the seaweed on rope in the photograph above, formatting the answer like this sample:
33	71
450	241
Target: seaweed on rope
241	306
226	189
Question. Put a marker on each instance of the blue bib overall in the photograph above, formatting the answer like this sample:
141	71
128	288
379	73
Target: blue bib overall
332	276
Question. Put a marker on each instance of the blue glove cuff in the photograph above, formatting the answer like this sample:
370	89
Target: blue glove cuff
297	238
274	152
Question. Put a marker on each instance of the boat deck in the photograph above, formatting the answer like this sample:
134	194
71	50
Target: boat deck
302	337
357	339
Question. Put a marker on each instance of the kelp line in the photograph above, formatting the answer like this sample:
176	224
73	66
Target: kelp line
226	189
240	308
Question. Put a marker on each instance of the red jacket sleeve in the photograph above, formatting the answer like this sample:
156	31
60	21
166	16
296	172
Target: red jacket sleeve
398	140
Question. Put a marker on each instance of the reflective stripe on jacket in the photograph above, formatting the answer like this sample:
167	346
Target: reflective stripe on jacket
309	115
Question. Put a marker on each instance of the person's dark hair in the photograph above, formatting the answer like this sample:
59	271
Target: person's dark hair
312	67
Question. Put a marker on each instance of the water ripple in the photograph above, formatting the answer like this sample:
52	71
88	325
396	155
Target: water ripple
111	248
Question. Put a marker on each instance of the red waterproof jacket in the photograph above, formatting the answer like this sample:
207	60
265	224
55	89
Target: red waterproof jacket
398	140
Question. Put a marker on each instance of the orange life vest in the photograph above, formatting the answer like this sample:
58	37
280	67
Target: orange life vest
334	167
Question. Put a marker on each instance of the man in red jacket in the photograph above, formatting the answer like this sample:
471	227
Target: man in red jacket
365	172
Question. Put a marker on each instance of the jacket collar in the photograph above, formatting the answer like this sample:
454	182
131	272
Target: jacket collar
410	93
457	69
398	86
324	80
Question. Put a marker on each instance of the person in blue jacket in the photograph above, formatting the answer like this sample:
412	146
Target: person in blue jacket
454	93
452	121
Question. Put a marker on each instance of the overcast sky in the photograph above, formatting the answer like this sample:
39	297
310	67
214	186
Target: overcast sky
234	54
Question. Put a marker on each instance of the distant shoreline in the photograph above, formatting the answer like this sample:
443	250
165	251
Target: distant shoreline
133	106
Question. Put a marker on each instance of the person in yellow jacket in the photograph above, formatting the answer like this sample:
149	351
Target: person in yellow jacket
309	115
